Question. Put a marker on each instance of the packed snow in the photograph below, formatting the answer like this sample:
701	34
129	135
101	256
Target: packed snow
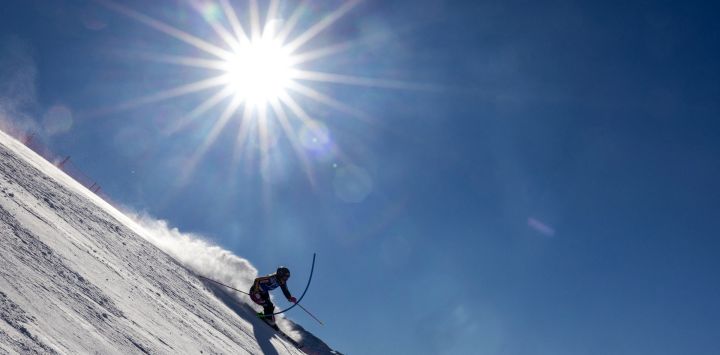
77	276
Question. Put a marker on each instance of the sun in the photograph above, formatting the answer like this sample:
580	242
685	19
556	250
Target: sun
259	72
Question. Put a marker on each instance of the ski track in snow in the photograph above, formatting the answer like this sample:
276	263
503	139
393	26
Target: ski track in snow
76	280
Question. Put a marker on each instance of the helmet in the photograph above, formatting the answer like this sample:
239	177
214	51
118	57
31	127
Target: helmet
283	272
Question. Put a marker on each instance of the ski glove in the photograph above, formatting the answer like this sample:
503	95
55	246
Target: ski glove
292	299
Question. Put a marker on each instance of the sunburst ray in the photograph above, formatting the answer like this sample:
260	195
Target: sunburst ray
214	64
295	107
171	93
256	31
299	58
167	29
359	81
219	29
237	27
271	18
182	90
321	25
201	109
327	100
292	137
213	135
291	22
243	134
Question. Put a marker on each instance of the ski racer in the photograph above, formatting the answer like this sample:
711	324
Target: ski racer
259	292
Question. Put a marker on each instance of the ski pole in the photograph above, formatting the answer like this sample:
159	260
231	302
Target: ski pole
220	283
306	311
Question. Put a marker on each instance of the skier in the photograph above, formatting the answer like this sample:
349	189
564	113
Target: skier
259	292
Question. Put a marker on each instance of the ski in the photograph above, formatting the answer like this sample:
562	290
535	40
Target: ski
279	332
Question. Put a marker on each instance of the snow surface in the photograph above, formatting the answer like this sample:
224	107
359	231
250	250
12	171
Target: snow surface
79	277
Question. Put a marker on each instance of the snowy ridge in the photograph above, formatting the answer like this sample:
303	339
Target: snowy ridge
77	276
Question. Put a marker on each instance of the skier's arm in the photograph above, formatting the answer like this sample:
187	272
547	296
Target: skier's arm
286	292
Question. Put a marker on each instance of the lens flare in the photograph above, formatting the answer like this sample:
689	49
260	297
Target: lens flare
352	184
540	227
58	119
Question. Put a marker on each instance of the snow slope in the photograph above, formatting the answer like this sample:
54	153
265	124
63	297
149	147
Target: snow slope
79	277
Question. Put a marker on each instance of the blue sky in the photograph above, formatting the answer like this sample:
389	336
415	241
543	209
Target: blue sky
547	183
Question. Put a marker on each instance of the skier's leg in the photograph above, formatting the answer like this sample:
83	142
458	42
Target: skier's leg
268	309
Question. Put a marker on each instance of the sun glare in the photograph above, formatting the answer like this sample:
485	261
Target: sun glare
259	71
258	74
